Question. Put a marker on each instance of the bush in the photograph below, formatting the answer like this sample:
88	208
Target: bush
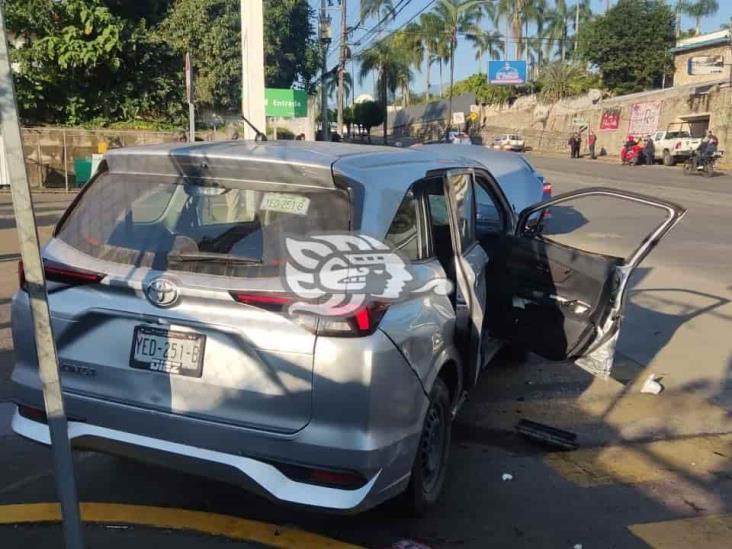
282	133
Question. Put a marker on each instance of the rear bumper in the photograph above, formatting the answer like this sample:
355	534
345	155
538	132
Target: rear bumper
252	474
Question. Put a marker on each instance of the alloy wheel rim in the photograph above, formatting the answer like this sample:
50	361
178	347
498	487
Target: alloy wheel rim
432	447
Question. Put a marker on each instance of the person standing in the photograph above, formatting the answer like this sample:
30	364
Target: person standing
572	145
649	151
578	145
591	140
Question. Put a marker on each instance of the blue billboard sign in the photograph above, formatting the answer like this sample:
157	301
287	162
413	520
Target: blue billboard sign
506	72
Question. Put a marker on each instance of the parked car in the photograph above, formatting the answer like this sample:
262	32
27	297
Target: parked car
675	144
178	341
508	142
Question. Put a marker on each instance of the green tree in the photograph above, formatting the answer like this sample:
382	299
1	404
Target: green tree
77	61
368	115
376	8
457	17
484	92
435	46
290	49
699	10
486	43
391	68
209	30
559	80
630	44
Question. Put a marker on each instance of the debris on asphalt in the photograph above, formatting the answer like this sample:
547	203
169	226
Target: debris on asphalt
545	434
507	476
577	546
652	386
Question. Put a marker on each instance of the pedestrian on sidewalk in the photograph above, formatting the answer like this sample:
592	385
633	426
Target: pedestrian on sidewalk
649	151
578	145
572	145
591	140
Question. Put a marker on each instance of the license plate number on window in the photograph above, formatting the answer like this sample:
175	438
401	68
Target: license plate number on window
285	203
167	351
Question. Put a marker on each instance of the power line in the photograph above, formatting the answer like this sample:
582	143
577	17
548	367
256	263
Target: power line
420	12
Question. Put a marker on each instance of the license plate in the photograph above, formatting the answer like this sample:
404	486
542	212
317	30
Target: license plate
167	351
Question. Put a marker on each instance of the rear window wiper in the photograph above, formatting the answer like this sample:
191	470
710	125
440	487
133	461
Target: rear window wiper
214	257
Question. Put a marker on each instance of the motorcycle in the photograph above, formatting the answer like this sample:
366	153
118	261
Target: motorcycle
697	163
631	156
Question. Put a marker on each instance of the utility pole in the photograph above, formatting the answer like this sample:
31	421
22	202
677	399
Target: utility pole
30	252
252	67
342	65
324	35
189	98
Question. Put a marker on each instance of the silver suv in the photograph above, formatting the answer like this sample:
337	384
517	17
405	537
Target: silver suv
171	286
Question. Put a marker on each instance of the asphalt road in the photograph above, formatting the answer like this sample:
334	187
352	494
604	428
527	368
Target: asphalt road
651	470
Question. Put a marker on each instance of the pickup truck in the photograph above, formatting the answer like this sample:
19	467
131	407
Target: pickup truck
673	146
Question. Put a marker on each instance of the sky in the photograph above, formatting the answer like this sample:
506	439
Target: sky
465	63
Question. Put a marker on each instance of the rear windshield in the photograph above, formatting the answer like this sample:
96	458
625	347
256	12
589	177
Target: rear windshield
210	227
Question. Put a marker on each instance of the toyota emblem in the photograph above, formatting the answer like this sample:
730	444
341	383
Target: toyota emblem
162	292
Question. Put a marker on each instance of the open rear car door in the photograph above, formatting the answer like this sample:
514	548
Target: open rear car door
561	302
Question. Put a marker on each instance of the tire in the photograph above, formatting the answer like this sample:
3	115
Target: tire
668	160
688	168
430	463
708	169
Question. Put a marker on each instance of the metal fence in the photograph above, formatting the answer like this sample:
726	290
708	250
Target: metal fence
51	154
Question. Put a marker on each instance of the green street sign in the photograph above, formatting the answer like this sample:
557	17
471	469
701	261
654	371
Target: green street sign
284	103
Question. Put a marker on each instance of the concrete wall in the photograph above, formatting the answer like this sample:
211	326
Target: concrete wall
548	127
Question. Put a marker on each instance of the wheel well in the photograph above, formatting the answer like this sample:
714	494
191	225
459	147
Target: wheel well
451	377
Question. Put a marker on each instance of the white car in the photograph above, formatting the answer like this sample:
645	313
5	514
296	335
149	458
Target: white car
508	142
674	145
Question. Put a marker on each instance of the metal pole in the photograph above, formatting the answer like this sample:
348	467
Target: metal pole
342	66
42	331
323	70
191	123
252	68
66	163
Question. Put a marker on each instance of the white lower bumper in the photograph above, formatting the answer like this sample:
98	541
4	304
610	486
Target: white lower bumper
267	476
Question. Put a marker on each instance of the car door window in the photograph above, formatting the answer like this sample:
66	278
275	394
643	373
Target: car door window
465	207
489	217
403	235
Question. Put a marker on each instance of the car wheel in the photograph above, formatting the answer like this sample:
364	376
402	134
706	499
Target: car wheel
668	160
430	463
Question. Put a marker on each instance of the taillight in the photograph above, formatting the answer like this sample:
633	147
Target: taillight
363	322
276	302
546	190
57	272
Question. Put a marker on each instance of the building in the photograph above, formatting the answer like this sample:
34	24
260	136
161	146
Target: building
703	59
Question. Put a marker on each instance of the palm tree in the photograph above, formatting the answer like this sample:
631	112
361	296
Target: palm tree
430	31
331	83
557	27
391	68
580	13
410	44
486	42
457	17
376	8
701	9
